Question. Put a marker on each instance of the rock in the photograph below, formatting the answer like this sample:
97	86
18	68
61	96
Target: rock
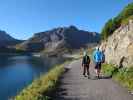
7	40
62	37
119	46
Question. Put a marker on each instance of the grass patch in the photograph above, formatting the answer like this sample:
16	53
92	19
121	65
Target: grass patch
124	75
109	70
40	87
126	21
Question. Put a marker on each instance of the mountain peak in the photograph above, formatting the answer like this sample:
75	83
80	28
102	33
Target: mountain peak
68	37
73	27
6	39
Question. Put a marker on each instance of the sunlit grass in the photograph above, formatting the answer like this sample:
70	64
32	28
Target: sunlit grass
124	75
40	87
109	69
126	21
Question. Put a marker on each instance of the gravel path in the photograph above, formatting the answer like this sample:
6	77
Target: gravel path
74	86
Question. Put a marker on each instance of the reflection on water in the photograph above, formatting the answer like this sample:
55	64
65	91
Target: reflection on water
16	72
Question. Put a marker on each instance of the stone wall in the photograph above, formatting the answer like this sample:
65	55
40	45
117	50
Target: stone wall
119	46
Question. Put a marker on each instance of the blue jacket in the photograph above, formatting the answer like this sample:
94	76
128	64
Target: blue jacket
97	56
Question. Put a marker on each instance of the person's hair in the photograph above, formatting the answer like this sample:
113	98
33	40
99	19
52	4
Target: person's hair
100	48
84	53
97	48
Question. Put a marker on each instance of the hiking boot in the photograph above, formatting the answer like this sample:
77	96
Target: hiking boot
85	75
88	73
96	77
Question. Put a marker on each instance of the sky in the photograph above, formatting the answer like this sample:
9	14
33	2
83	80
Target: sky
22	18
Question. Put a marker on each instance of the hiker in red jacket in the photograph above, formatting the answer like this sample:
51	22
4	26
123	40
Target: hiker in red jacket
85	64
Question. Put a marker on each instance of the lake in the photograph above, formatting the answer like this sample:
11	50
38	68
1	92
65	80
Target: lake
17	72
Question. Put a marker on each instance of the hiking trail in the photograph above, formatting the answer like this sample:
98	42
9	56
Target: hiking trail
74	86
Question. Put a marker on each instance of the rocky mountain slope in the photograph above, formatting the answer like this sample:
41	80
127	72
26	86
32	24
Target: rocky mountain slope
114	23
6	40
58	38
119	46
117	34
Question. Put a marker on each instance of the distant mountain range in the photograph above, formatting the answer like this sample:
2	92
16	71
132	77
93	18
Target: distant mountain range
58	38
7	40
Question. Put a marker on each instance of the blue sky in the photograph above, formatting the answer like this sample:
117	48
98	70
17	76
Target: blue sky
22	18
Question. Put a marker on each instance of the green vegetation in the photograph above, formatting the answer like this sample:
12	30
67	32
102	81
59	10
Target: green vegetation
109	69
125	22
116	22
39	89
123	75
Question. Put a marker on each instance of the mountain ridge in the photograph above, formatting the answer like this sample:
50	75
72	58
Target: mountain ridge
7	40
68	37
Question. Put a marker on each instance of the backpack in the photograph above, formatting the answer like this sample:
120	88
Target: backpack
97	56
86	60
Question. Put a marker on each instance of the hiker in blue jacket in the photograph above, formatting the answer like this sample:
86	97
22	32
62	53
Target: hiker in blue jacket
98	59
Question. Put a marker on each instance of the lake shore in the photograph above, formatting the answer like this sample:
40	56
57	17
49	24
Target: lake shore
42	86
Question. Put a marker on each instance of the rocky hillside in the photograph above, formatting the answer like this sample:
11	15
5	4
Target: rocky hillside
119	46
58	38
7	40
114	23
118	38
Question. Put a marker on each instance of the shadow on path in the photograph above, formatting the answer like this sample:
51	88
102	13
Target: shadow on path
74	86
101	77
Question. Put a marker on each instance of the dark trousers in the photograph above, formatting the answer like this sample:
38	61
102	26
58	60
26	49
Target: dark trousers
98	65
86	69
